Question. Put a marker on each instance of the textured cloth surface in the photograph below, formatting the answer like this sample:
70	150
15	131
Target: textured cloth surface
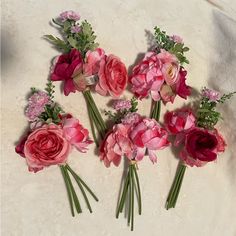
37	204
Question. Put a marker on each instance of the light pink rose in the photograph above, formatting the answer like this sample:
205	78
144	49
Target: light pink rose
115	145
112	76
46	146
76	134
92	61
149	134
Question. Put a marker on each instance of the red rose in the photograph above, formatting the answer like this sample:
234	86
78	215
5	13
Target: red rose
201	146
46	146
112	76
19	149
66	67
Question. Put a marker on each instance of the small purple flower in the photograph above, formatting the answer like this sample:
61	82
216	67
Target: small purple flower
69	15
211	94
176	39
75	29
120	105
131	118
36	105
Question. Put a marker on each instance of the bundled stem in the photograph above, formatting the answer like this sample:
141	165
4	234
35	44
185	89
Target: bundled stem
130	186
175	188
73	199
95	117
156	110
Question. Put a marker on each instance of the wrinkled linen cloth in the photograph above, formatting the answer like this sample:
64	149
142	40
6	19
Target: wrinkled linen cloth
37	204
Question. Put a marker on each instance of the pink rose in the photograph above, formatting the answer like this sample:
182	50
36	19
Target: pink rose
179	121
147	77
66	68
112	76
46	146
149	134
76	134
115	145
201	146
92	61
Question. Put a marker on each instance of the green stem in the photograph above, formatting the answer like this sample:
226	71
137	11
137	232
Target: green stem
139	191
68	189
132	197
123	196
130	193
156	110
92	127
78	179
175	188
75	198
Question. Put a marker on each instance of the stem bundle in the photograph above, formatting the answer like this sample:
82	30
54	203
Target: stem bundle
175	188
130	186
73	199
156	111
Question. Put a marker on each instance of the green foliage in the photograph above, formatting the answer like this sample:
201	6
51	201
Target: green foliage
51	113
50	90
58	43
134	104
164	41
86	38
207	116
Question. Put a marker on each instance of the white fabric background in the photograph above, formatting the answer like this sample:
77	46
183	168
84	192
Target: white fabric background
37	204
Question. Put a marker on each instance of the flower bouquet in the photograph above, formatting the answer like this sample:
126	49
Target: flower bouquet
50	138
161	73
131	137
196	136
84	67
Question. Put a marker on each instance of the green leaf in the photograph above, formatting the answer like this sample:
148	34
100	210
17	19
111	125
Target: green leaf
72	42
60	44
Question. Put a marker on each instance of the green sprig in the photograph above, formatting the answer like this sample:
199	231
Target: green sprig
164	41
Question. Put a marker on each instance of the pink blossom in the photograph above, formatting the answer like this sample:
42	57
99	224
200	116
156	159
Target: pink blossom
75	29
120	105
115	145
76	134
36	105
149	134
92	61
211	94
176	39
131	118
69	15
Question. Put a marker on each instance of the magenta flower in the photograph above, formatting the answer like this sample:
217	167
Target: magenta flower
36	105
211	94
69	15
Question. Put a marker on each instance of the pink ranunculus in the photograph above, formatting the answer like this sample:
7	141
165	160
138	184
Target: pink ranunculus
147	77
69	15
169	67
115	145
76	134
179	121
92	61
181	88
149	134
112	76
201	147
46	146
66	68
